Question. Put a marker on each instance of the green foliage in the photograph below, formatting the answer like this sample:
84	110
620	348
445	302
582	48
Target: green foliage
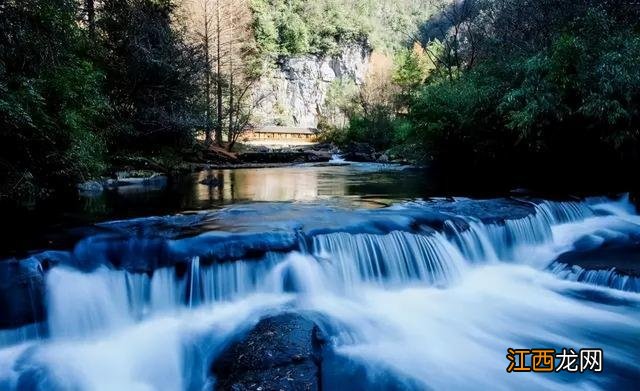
411	70
567	96
340	101
587	78
50	100
285	27
290	27
70	98
152	74
376	127
294	35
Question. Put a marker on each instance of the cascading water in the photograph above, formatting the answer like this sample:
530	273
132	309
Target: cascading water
436	307
337	159
396	258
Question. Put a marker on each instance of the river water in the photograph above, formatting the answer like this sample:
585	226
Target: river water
412	293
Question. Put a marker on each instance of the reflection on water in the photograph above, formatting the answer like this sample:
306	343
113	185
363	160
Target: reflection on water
358	184
351	183
260	185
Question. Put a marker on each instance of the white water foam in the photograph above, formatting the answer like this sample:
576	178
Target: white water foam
439	311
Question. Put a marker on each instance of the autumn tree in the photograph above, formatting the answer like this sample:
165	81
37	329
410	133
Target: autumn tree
224	31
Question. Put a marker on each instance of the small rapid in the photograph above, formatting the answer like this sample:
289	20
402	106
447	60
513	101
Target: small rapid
432	298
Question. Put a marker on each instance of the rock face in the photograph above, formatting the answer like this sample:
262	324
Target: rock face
282	352
294	93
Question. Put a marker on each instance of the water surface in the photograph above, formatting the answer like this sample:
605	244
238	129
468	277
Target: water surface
411	293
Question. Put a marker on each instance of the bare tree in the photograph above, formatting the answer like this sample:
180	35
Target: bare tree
242	71
225	33
206	38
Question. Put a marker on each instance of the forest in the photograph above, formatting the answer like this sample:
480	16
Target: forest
513	87
537	90
78	88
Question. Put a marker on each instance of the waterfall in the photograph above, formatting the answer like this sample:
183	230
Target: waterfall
608	278
395	258
336	159
396	299
79	304
563	212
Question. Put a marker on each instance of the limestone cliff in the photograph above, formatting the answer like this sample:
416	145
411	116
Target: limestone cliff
294	92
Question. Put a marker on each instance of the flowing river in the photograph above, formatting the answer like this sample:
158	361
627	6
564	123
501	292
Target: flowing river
410	293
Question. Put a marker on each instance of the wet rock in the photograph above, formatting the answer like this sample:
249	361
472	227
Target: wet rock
134	254
489	211
327	147
383	158
359	152
224	246
22	291
90	188
318	156
124	179
282	352
623	256
609	277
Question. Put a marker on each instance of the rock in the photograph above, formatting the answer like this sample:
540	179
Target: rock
90	188
383	158
364	148
328	147
284	157
489	211
314	156
125	179
359	152
282	352
605	250
295	91
136	254
22	293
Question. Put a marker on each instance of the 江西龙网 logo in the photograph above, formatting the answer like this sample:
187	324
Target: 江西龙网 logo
550	360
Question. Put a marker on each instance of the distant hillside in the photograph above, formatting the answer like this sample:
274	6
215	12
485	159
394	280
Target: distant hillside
294	27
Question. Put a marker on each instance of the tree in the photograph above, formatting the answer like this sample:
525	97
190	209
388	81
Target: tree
152	73
51	100
451	38
224	30
243	71
206	38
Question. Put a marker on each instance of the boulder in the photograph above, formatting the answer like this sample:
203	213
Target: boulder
314	156
281	352
90	188
359	152
383	158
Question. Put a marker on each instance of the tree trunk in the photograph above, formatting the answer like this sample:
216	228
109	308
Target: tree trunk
219	76
207	126
231	129
91	16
